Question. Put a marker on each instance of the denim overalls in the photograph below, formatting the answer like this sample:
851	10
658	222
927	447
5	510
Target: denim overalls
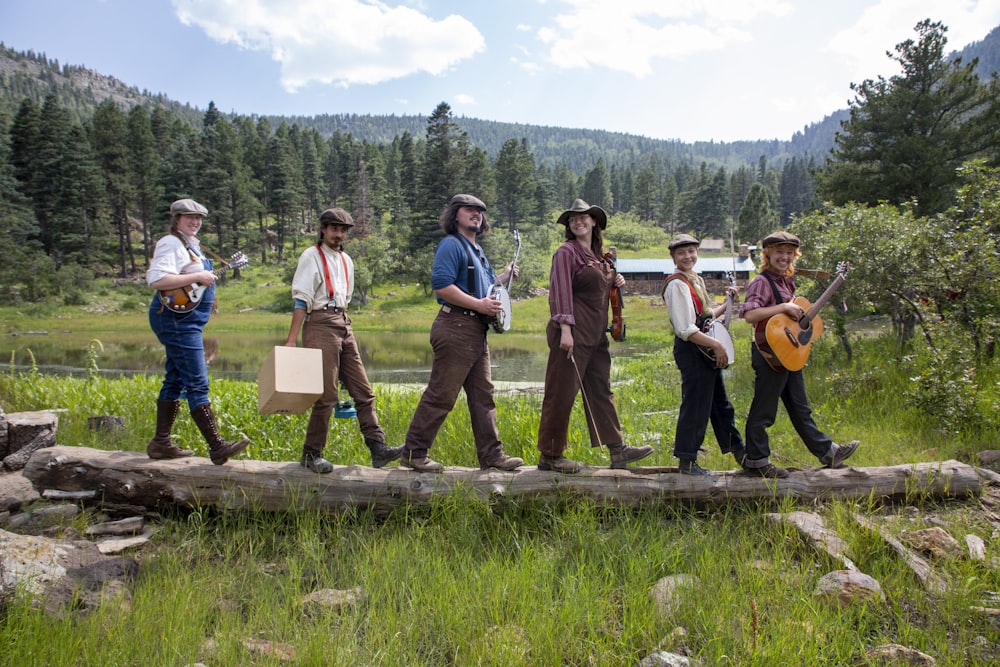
181	335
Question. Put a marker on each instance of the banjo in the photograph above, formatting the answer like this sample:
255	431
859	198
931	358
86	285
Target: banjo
501	321
719	329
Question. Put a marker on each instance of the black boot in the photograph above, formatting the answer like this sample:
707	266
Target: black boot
219	450
161	447
381	454
622	455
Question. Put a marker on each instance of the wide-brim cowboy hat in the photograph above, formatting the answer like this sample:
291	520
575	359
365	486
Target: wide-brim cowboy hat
580	206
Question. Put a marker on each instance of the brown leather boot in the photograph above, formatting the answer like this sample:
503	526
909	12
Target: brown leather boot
219	450
161	447
559	464
622	455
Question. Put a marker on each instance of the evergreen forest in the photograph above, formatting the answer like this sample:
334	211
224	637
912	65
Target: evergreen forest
88	167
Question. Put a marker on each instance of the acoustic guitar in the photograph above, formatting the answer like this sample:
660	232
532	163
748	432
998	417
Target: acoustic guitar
185	299
784	342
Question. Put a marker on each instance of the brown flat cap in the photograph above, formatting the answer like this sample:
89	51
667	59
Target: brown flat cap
781	238
187	207
580	206
680	240
336	216
467	200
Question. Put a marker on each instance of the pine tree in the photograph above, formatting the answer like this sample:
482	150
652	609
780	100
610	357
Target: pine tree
110	139
907	135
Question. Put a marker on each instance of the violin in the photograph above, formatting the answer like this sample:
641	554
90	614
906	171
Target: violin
617	328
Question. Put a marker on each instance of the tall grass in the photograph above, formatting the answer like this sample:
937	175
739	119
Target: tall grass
463	581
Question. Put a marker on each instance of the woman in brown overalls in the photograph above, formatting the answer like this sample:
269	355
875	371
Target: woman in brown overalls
579	290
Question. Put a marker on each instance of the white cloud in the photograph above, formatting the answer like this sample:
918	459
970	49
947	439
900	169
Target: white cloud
466	100
863	46
627	35
526	66
339	42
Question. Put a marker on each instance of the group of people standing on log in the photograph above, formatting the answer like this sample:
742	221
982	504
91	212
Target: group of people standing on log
583	287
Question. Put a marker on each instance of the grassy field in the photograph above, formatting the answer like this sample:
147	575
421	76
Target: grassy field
464	582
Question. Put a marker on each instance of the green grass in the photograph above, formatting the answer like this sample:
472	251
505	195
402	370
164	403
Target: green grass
466	582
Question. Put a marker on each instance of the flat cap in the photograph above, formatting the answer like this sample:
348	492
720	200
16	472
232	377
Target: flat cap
336	216
580	206
187	207
781	238
467	200
682	240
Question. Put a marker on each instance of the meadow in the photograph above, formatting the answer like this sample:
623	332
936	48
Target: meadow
467	582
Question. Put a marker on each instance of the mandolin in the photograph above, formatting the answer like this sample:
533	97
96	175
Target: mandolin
185	299
784	342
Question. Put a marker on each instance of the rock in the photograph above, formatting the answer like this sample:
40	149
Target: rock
989	457
330	598
114	545
664	593
15	492
268	649
106	424
4	433
664	659
934	542
847	586
892	655
977	547
63	575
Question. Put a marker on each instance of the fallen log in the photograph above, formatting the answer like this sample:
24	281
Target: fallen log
132	478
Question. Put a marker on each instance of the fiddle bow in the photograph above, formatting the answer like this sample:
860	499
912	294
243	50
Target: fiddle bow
617	328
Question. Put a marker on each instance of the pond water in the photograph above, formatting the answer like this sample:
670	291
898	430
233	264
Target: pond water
388	357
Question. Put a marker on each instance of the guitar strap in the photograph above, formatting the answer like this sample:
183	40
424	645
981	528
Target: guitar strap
769	356
774	287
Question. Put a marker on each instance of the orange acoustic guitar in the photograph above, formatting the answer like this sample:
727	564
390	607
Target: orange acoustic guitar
785	343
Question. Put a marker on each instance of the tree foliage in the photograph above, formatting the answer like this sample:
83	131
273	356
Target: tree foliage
908	135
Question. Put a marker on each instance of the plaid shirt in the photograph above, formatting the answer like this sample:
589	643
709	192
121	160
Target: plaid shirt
760	295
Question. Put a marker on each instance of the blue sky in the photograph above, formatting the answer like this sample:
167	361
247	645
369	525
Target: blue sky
693	70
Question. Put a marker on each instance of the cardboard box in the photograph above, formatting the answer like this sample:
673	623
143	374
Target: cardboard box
290	380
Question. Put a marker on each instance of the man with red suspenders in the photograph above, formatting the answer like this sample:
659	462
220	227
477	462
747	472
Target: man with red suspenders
322	288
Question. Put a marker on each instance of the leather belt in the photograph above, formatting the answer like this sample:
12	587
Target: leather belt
461	311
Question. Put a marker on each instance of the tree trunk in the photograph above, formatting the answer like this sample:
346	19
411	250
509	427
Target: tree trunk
132	478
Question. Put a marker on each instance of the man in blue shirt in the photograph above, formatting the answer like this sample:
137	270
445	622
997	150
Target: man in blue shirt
461	279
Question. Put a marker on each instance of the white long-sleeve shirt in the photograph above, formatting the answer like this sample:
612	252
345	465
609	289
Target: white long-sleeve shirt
309	283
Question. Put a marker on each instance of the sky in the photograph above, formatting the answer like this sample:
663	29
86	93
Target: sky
693	70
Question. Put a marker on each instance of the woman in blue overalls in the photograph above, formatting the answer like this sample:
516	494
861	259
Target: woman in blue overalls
178	267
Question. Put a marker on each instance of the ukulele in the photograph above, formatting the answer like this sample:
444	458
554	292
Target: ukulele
185	299
784	342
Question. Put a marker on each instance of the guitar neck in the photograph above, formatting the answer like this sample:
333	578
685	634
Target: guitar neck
821	301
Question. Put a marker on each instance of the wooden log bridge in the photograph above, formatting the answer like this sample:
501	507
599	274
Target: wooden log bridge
130	478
